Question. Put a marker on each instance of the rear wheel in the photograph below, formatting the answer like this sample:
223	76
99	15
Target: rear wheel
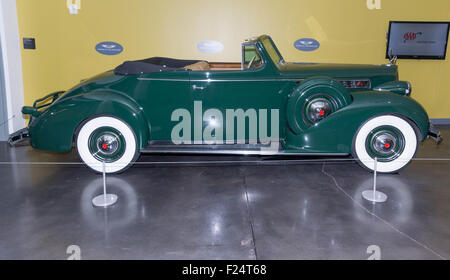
391	139
107	140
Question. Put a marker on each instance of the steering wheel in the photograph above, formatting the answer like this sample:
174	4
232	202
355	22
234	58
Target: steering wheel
251	61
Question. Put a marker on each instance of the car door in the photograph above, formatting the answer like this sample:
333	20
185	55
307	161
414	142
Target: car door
161	94
252	90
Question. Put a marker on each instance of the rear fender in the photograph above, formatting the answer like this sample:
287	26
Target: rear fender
55	128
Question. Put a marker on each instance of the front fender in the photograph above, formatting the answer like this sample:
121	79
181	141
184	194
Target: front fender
335	133
54	129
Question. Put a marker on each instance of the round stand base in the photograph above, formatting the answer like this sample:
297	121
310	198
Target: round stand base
374	196
104	200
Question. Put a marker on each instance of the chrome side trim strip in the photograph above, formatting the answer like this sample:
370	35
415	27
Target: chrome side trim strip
235	152
156	79
221	80
248	80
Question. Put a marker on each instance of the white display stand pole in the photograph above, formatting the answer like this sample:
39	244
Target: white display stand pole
374	195
105	199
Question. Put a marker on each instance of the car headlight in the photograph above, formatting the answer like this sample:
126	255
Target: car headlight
399	87
409	89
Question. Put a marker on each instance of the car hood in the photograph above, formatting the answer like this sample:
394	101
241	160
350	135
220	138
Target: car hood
336	70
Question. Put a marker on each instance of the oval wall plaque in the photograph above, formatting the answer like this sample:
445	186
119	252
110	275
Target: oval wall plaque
306	44
109	48
210	46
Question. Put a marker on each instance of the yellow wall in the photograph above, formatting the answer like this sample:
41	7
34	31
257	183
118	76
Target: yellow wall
347	30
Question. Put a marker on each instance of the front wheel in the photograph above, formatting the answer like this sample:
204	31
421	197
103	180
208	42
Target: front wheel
391	139
106	140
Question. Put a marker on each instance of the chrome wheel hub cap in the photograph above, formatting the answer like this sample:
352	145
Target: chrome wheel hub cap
318	109
107	143
384	143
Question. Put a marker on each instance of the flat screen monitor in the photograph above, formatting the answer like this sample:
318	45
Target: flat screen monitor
417	40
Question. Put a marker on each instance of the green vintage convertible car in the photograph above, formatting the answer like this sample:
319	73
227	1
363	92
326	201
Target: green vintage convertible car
262	105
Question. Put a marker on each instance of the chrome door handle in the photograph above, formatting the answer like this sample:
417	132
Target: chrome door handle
195	87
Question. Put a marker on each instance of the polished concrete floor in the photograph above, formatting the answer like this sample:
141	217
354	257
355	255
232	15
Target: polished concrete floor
255	208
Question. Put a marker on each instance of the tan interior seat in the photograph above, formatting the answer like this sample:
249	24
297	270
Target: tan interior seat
198	66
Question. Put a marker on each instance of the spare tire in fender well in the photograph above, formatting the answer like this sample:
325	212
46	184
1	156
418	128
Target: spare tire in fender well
323	87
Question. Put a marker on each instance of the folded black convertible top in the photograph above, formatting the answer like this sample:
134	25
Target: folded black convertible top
153	64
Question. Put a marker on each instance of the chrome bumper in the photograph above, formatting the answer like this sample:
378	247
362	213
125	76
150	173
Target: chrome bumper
18	136
33	111
434	134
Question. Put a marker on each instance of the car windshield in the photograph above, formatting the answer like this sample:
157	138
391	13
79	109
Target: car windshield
250	57
272	50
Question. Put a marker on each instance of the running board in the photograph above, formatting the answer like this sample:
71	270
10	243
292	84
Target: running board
233	149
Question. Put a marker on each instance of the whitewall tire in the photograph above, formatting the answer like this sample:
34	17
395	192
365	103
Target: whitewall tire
391	139
109	140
